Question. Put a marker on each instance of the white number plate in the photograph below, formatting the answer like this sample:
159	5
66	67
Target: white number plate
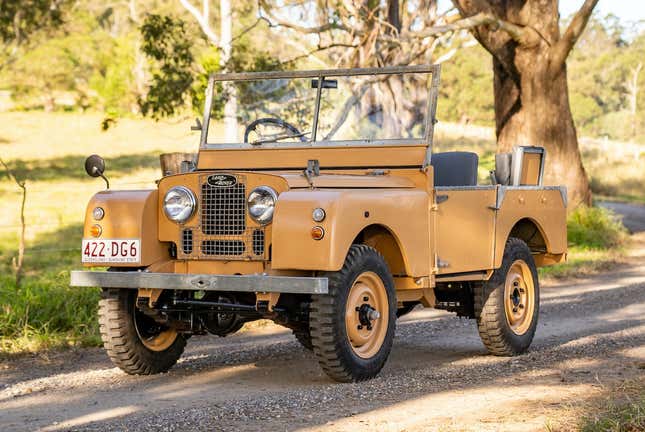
111	251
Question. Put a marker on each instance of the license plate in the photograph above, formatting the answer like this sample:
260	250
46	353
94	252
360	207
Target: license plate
111	251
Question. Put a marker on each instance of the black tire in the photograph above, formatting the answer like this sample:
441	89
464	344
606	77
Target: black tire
304	337
122	340
329	335
493	323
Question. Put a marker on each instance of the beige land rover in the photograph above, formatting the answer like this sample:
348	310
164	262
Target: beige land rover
328	213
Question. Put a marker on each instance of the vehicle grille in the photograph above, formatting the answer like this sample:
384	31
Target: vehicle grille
224	232
223	210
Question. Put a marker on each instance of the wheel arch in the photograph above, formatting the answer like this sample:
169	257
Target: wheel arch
384	240
534	235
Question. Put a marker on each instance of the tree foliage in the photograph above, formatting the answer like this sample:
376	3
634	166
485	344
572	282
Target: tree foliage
20	18
167	43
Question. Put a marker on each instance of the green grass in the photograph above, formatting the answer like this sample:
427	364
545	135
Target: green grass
621	409
618	417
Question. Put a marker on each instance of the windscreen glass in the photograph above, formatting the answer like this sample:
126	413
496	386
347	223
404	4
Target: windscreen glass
351	108
266	111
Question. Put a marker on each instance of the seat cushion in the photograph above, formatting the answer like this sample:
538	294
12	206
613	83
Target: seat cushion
455	168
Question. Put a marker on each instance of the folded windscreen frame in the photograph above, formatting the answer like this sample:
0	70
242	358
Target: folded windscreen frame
340	107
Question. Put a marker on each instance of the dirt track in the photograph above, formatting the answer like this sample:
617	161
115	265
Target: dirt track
591	337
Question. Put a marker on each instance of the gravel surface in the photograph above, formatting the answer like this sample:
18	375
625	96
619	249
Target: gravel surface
591	336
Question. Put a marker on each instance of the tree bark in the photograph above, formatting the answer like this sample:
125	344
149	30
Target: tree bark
530	83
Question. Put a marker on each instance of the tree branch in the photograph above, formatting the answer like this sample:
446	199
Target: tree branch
522	34
274	21
561	50
202	21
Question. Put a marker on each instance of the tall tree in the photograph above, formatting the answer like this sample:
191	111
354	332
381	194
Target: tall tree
530	80
225	43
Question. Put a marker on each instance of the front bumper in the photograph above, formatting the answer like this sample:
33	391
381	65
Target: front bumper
200	282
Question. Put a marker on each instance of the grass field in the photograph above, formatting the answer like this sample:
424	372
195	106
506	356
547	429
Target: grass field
48	150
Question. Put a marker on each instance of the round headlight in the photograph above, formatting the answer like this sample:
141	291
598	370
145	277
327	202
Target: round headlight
261	203
179	204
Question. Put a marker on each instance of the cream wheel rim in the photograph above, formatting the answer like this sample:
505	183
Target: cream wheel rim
151	335
519	297
366	315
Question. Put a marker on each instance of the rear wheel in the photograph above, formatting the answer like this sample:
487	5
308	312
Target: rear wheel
507	305
352	327
134	341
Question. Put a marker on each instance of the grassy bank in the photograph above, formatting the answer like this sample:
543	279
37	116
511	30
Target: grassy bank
597	242
48	151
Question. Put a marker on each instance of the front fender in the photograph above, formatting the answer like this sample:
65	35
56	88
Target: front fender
128	215
403	212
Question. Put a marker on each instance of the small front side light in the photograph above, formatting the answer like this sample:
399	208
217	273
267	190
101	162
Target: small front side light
318	215
96	230
98	213
317	233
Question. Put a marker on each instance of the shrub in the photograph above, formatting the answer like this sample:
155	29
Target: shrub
595	228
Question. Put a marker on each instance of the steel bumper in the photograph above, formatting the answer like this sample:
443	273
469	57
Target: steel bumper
200	282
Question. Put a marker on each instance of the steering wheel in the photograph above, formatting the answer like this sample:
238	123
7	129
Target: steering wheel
292	131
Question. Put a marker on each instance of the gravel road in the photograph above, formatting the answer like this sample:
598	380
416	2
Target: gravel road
591	336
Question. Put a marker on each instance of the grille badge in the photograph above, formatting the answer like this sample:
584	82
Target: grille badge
222	180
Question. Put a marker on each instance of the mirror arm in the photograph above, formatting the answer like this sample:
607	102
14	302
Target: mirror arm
107	182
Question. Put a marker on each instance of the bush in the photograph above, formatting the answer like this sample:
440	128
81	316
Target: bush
595	228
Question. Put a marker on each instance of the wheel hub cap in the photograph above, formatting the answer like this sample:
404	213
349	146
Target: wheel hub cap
366	319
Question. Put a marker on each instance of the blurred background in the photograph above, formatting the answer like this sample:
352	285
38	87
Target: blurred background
125	79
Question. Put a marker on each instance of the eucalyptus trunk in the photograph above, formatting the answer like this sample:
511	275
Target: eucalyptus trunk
532	108
530	81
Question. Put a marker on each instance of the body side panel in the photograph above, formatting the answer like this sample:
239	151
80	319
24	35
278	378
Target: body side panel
403	212
465	230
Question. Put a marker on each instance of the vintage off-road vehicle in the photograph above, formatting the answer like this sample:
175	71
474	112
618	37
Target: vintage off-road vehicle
329	214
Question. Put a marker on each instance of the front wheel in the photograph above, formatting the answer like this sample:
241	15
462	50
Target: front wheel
134	341
352	327
507	305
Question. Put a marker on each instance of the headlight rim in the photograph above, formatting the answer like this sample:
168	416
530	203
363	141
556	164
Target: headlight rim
274	196
193	204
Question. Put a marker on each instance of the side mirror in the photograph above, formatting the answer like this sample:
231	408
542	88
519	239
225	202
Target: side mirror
95	167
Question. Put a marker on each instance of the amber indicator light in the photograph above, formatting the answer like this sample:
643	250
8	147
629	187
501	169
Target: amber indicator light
317	233
96	230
